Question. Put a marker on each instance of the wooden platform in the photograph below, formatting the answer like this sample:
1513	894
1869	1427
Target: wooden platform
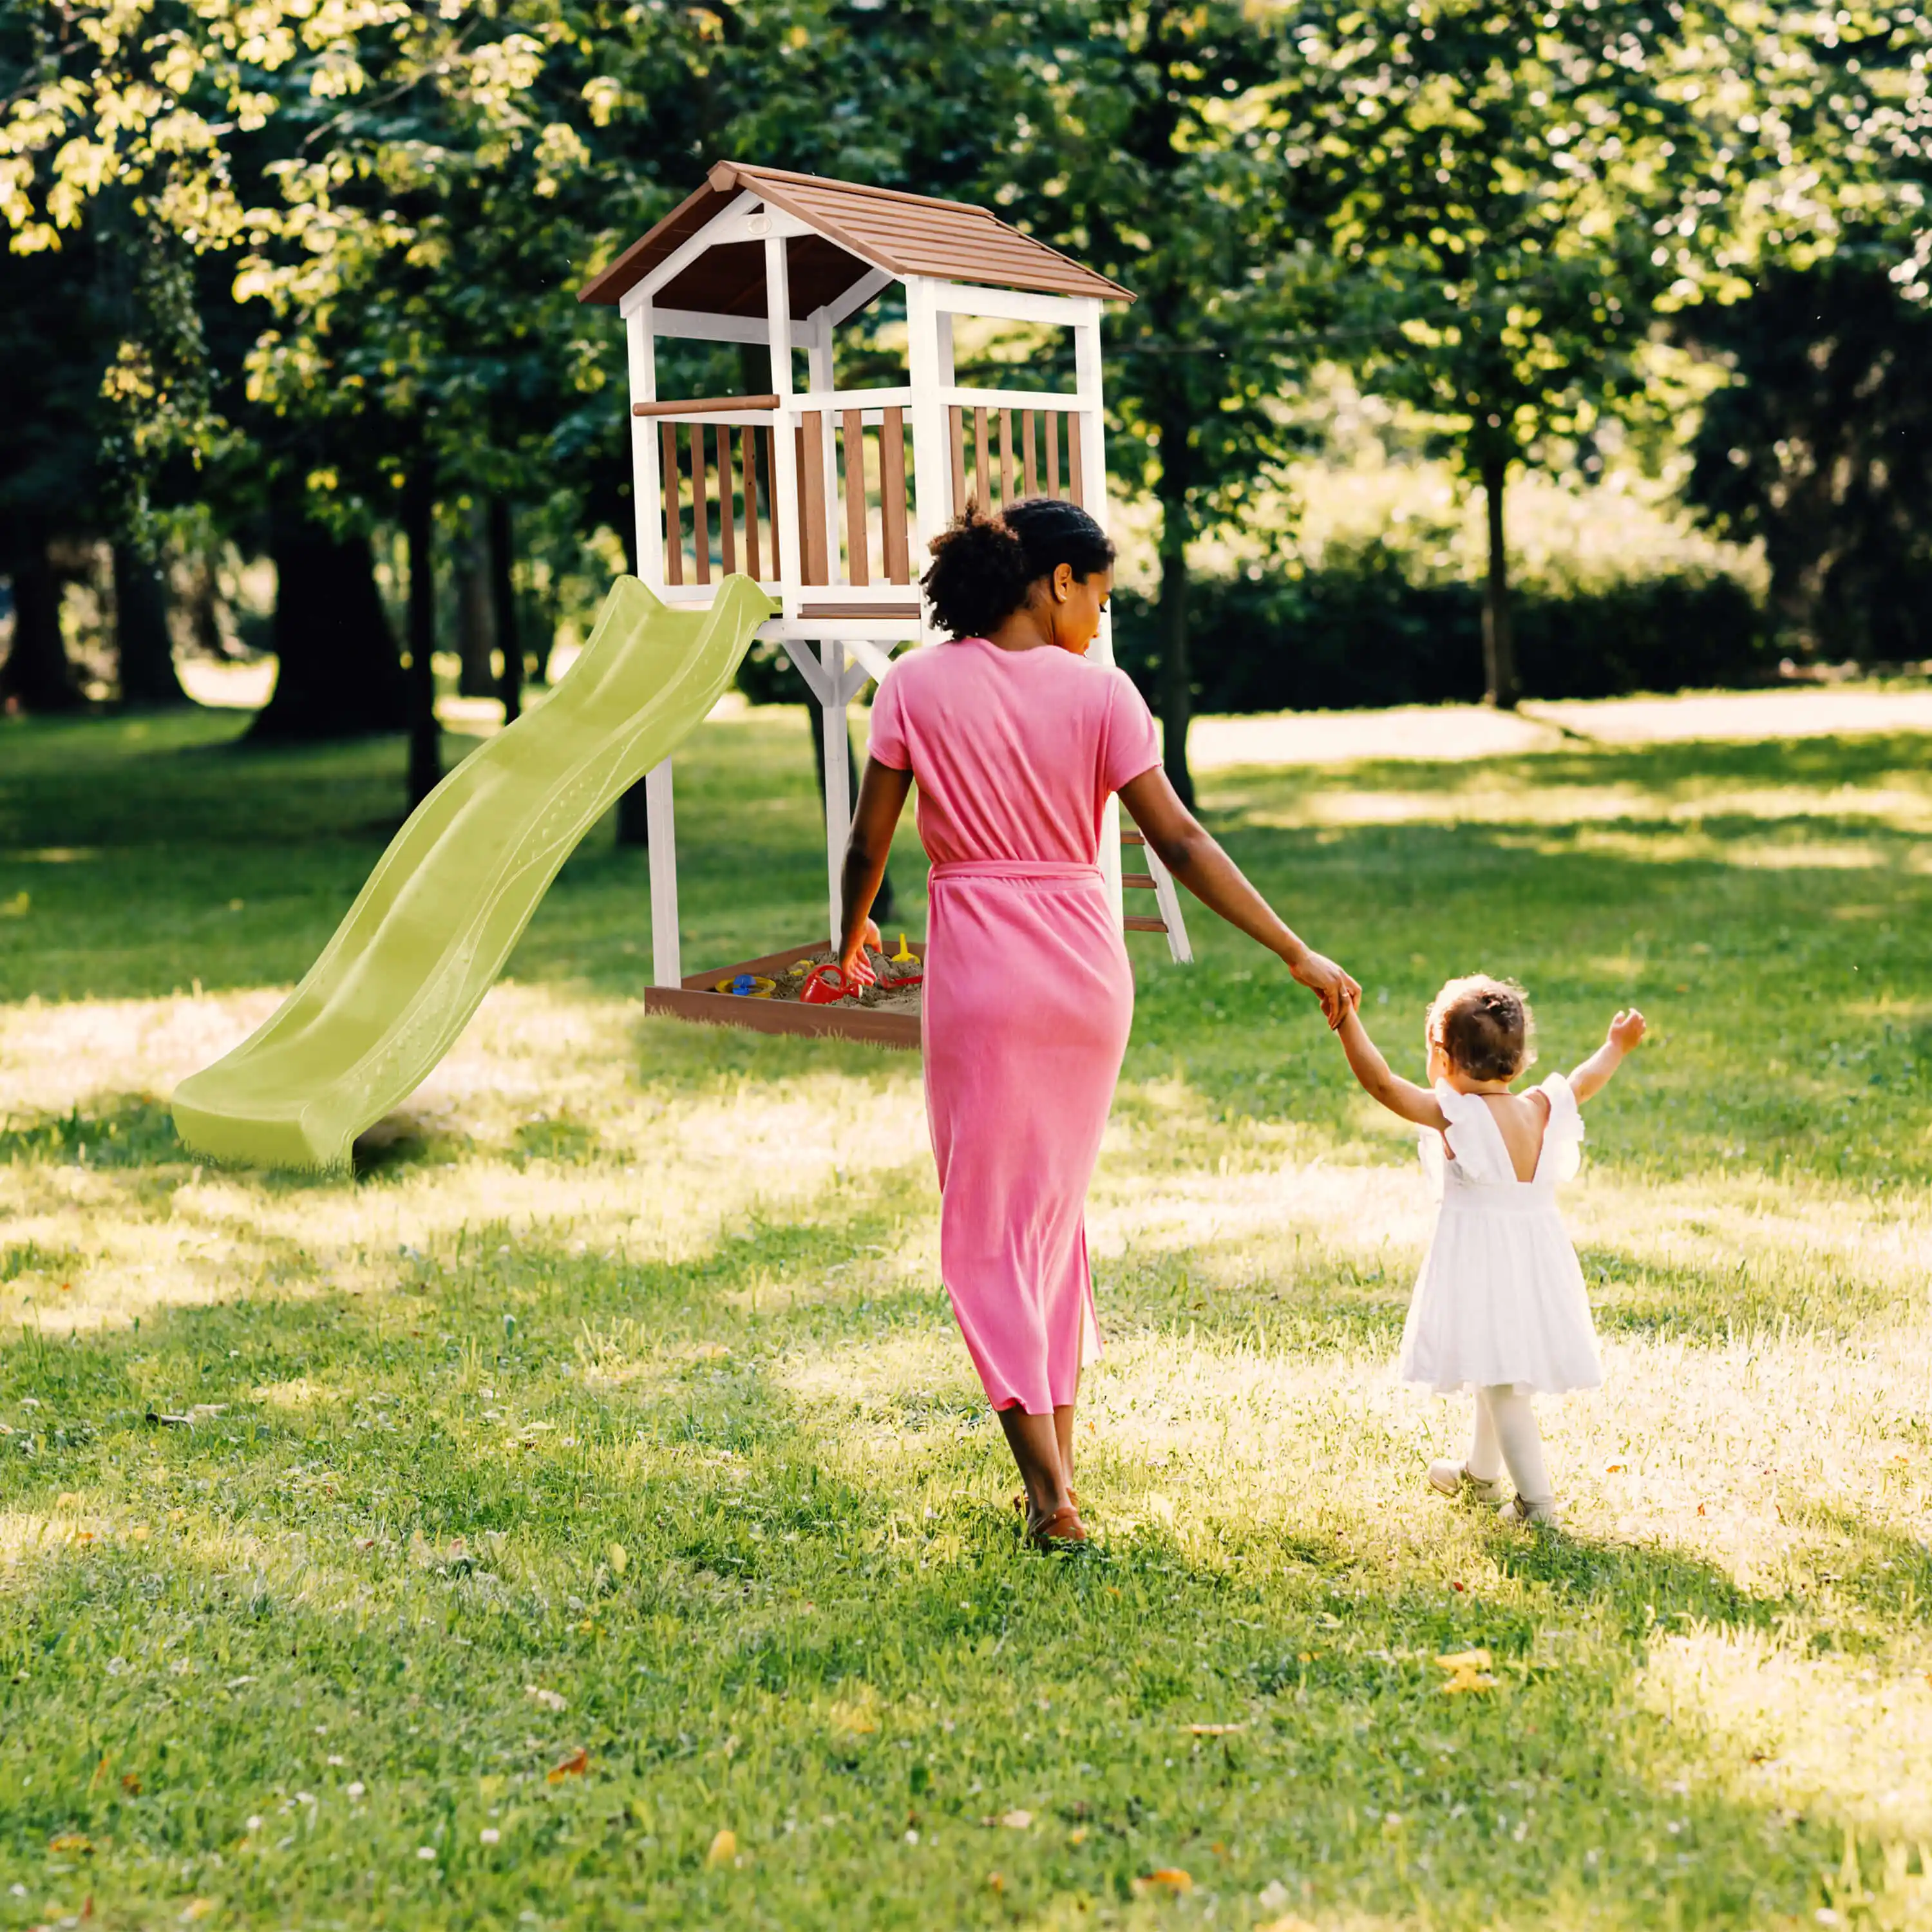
843	1020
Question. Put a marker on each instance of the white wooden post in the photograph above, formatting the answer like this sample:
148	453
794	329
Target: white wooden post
818	363
667	967
646	468
783	481
647	491
929	368
1088	426
838	780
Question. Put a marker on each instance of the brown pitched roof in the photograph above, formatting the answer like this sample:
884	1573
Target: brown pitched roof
857	229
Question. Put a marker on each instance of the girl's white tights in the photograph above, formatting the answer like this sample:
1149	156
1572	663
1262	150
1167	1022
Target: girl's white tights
1506	1436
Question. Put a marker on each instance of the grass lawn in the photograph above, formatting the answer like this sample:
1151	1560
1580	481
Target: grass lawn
585	1516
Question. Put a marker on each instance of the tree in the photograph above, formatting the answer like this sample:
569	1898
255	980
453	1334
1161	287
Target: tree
1821	448
1517	192
1145	157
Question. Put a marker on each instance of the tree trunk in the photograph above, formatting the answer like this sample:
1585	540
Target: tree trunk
338	674
37	675
1176	670
425	744
883	900
503	606
1499	676
145	650
475	615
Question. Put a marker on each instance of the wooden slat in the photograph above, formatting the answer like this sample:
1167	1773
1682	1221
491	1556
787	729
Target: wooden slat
957	428
727	501
749	441
770	439
1053	419
1076	481
811	495
1006	498
1138	881
892	497
703	405
1133	837
1029	438
674	523
894	610
982	463
1135	924
700	505
858	535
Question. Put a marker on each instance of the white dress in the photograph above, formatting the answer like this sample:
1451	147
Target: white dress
1501	1298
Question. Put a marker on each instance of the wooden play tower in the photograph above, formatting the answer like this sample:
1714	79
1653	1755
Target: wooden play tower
828	497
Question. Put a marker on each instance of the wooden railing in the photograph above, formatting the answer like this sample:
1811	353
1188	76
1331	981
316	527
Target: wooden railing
854	466
723	471
1032	466
838	484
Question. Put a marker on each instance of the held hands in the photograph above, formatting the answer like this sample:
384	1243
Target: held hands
857	969
1337	991
1626	1030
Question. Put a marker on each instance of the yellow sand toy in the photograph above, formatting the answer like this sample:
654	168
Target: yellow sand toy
429	931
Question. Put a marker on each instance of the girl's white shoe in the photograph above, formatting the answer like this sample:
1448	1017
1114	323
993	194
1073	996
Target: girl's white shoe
1539	1516
1454	1479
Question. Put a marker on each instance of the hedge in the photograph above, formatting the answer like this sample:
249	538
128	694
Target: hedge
1363	633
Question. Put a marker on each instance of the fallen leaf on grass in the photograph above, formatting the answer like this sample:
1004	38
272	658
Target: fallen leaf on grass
1469	1670
574	1766
197	1908
995	1883
618	1558
1169	1878
724	1849
130	1784
1017	1821
551	1700
70	1841
1216	1730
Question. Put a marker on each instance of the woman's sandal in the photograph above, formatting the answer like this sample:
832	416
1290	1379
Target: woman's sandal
1020	1501
1063	1528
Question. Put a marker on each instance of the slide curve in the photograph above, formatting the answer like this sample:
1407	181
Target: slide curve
429	931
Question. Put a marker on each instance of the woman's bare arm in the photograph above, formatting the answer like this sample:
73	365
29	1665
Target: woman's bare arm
1190	852
882	797
1400	1096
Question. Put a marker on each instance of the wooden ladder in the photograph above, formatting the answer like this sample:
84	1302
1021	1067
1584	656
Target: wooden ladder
1160	881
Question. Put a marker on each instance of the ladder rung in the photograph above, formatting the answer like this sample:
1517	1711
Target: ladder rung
1133	839
1137	924
1143	881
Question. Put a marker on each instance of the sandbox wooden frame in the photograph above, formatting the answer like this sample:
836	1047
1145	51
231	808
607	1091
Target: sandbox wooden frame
695	999
762	256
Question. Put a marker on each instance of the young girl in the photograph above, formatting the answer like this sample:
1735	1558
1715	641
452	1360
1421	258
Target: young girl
1499	1307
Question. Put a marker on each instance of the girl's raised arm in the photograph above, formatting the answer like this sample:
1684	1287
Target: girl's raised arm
1400	1096
1594	1075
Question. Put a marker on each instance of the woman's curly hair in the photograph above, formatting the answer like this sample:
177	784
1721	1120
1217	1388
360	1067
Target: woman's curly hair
1484	1026
984	568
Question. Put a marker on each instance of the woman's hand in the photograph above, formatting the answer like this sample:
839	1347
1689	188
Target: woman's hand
1337	991
858	970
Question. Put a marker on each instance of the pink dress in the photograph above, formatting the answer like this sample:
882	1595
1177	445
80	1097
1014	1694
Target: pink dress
1028	994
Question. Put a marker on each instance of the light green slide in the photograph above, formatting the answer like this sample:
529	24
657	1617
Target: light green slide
429	931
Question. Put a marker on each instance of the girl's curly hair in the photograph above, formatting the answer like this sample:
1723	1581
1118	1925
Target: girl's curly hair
1484	1026
984	568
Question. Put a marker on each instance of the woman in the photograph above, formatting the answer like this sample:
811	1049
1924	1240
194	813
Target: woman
1016	743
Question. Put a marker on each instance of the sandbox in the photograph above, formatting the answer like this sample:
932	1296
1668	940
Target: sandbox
763	996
